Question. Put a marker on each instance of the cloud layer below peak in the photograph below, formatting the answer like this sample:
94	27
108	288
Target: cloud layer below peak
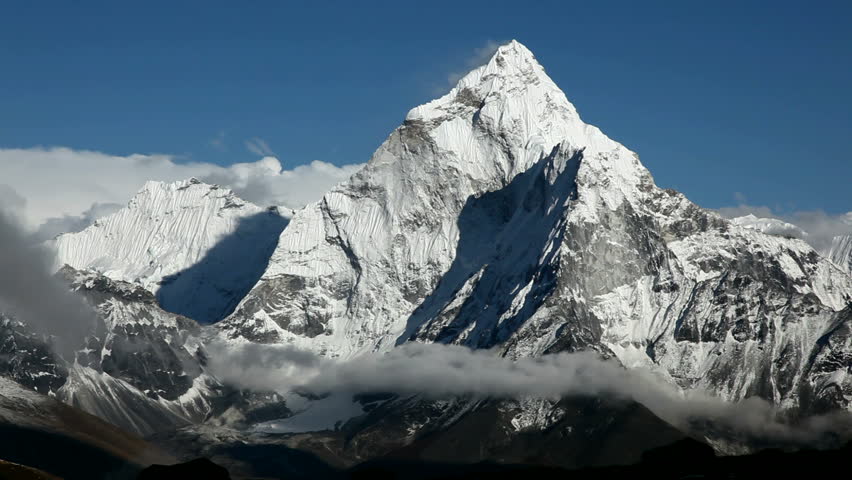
440	371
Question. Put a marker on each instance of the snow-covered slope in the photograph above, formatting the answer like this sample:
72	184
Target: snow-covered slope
770	226
199	247
41	432
841	252
495	217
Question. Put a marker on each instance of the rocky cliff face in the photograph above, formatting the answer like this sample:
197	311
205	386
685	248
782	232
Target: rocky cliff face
41	432
140	369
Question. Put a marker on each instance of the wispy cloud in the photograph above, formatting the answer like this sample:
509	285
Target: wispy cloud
478	57
218	142
258	146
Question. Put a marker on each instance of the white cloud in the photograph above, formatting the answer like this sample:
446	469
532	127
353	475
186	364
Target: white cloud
30	291
72	223
10	201
259	146
821	227
264	182
53	186
442	371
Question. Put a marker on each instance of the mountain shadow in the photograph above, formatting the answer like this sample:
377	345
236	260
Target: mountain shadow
508	239
211	289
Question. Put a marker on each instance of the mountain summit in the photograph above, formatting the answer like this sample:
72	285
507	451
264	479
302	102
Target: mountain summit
396	221
199	247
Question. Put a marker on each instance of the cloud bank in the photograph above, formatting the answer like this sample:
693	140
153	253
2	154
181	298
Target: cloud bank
34	296
72	223
55	188
440	371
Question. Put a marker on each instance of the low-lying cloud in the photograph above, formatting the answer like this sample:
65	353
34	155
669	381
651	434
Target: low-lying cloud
440	371
49	187
33	296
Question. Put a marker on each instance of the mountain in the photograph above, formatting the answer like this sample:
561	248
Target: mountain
198	247
38	431
140	369
839	251
494	217
350	269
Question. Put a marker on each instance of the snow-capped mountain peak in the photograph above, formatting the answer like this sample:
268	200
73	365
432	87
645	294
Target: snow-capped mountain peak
511	73
399	215
511	94
165	228
494	217
199	247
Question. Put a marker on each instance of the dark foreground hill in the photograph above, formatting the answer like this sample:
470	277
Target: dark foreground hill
681	460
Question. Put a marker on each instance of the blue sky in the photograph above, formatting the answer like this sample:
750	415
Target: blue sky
719	99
